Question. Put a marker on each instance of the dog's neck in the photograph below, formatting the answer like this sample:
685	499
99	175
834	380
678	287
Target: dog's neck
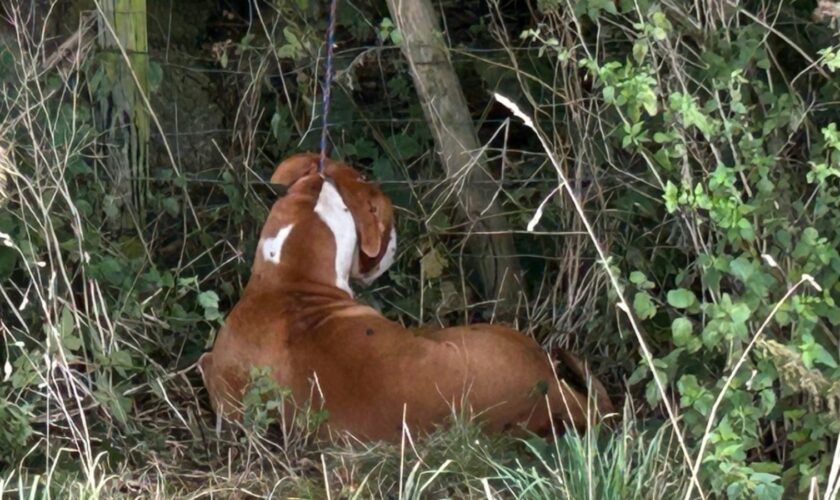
308	244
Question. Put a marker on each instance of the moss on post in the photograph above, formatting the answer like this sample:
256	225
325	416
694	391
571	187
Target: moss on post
125	120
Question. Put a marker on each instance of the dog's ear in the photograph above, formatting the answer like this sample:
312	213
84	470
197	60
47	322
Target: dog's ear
383	213
371	210
367	269
294	168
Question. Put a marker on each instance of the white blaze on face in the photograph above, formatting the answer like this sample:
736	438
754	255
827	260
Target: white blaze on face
273	247
384	263
335	214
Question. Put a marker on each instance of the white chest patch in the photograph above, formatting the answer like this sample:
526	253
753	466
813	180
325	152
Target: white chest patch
335	214
272	248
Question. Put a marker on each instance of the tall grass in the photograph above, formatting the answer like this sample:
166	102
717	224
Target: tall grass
82	420
101	325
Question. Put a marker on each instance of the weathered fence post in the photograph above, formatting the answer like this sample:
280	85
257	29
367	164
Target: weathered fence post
449	118
124	117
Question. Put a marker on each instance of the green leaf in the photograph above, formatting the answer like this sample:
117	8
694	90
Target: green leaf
810	236
8	262
742	268
690	390
661	137
111	207
681	330
640	373
171	205
276	123
121	359
671	197
652	394
821	355
117	405
111	270
396	37
208	299
609	94
67	331
433	264
637	277
768	401
730	449
155	76
406	145
290	37
659	34
644	306
767	487
739	313
681	298
640	51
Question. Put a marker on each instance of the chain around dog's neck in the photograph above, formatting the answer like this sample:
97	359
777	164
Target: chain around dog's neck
326	87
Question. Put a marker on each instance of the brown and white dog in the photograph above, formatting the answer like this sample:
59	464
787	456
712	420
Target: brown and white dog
298	317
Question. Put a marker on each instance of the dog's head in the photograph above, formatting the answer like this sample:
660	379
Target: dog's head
372	212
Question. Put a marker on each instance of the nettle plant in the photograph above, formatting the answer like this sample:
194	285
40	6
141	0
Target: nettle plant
744	263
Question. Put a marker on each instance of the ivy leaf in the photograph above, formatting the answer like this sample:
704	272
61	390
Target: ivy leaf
681	298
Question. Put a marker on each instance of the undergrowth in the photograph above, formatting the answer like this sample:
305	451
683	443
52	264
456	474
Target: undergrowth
700	138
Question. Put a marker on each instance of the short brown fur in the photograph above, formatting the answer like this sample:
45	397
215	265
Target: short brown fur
370	370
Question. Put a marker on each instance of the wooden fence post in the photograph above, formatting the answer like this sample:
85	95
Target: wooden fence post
124	117
448	116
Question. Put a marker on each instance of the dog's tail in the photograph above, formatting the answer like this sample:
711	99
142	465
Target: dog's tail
575	372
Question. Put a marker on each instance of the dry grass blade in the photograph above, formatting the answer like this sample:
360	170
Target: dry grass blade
622	303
